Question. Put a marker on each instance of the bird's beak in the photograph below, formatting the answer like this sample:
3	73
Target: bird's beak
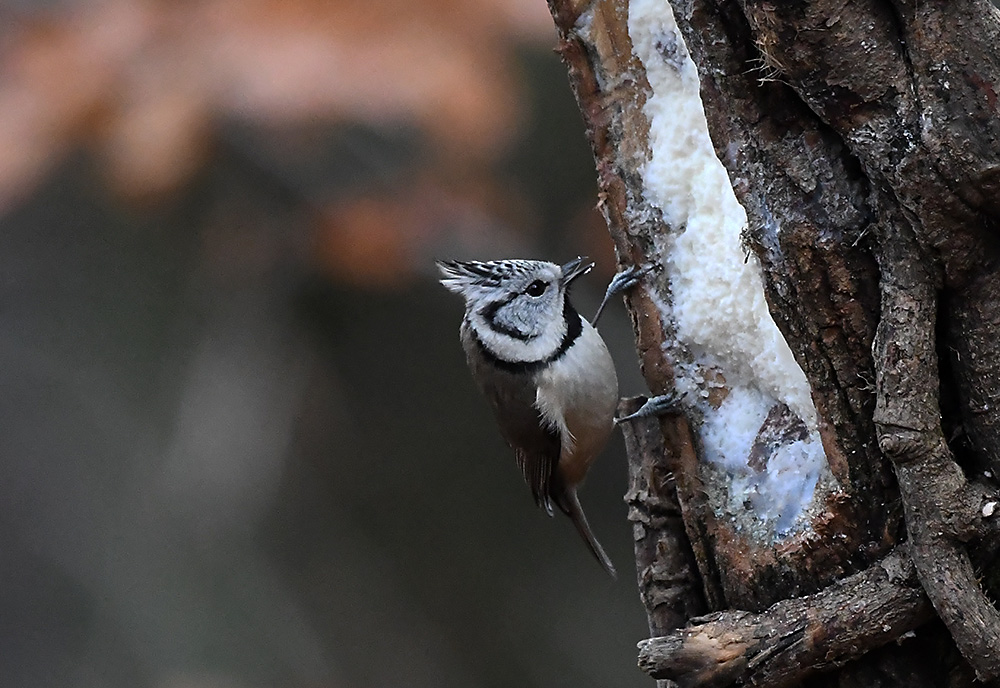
575	268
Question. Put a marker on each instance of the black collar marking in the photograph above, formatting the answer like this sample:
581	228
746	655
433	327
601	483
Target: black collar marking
574	328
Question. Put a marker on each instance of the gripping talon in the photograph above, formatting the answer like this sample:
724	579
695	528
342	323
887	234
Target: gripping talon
655	406
622	281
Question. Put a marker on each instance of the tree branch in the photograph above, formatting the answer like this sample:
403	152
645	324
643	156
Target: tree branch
935	494
796	637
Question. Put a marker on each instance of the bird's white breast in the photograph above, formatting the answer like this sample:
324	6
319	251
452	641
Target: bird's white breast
577	395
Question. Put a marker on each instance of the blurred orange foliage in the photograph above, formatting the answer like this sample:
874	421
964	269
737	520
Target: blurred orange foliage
145	83
380	239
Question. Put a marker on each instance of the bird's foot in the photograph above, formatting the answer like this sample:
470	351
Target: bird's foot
656	406
622	281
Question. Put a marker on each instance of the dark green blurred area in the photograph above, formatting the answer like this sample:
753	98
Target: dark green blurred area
224	467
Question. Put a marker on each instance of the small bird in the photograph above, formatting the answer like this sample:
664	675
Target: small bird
544	370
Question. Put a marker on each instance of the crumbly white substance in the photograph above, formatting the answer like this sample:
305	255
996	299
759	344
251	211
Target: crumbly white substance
718	306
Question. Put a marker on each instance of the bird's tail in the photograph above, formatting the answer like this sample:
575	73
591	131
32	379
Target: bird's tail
570	504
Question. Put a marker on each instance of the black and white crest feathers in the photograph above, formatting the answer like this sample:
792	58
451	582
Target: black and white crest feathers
460	276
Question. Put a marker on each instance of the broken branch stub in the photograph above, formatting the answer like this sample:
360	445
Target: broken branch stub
794	638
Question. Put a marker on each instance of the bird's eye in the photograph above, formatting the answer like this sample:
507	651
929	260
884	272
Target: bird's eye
536	288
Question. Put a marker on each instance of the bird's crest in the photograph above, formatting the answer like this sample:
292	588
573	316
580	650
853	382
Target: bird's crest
459	276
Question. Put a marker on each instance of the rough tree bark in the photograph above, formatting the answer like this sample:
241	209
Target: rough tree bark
863	140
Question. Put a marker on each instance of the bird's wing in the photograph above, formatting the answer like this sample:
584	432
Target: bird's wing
536	445
511	395
537	468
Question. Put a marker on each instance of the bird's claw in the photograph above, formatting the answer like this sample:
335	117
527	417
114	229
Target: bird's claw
622	281
655	406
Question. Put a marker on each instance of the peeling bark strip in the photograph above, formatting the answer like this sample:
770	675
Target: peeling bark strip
794	638
669	583
851	132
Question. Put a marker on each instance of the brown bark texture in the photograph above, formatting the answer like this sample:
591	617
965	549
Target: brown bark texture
871	130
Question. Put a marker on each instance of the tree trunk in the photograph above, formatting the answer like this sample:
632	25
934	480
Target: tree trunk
826	495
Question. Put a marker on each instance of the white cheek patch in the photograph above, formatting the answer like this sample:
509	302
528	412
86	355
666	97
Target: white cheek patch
516	317
514	350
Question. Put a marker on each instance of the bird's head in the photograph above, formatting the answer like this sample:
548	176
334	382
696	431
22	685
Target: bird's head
515	306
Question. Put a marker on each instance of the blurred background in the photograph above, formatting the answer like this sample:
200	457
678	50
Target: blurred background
239	443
